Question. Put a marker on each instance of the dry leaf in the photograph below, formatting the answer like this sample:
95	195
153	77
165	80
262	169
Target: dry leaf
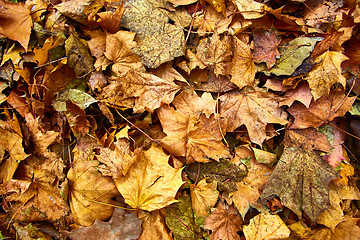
265	227
203	197
153	227
151	183
224	222
266	46
250	9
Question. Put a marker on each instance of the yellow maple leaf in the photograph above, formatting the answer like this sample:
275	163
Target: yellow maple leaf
326	73
203	197
151	182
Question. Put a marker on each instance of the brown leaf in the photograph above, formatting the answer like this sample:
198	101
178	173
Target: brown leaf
189	132
348	230
323	110
110	21
154	227
242	68
301	93
211	21
250	9
120	225
15	22
224	222
151	183
266	226
266	46
255	109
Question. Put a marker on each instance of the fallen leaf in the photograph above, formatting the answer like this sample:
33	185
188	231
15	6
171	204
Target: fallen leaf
110	21
266	46
122	225
187	228
266	226
80	98
249	189
224	222
301	180
348	230
78	55
293	54
189	132
158	40
250	9
154	227
203	197
301	93
15	22
151	183
326	73
242	67
215	53
90	192
118	50
321	111
255	109
225	173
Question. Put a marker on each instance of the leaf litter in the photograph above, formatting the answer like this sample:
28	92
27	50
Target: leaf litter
214	119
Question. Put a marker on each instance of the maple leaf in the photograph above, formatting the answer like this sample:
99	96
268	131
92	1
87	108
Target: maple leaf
215	53
150	91
203	197
301	93
151	183
211	21
158	41
118	162
90	192
249	189
266	44
15	22
266	226
348	230
301	180
326	73
324	109
255	109
110	21
189	132
242	67
121	224
118	50
224	222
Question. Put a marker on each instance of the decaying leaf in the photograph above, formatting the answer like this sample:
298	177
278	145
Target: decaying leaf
255	109
151	183
266	226
301	180
250	9
266	46
224	222
80	98
159	41
153	227
122	225
203	197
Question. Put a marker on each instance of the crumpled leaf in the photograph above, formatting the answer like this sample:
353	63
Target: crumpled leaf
90	192
203	197
348	230
150	91
326	108
266	46
326	73
151	183
250	9
255	109
225	173
78	54
122	226
80	98
118	50
242	67
215	53
192	129
224	222
158	40
293	54
301	180
265	227
183	210
15	22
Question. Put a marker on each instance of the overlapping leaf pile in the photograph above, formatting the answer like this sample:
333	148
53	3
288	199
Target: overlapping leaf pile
179	119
